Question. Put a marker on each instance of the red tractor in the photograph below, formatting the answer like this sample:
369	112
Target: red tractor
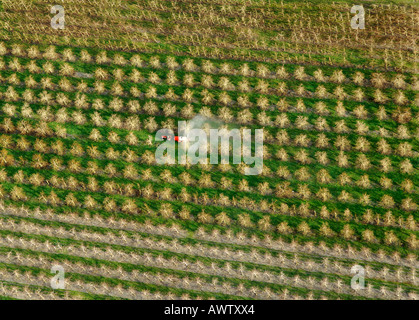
176	138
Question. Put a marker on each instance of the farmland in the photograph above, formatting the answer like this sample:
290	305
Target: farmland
80	186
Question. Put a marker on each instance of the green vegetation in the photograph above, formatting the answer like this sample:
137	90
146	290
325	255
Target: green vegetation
79	182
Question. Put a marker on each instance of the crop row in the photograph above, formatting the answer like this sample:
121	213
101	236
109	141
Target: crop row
130	171
289	224
115	80
300	134
243	254
232	269
238	240
131	112
98	286
229	67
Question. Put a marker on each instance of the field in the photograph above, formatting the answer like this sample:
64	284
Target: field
80	188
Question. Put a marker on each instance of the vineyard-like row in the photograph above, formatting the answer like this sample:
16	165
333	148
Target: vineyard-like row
82	190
